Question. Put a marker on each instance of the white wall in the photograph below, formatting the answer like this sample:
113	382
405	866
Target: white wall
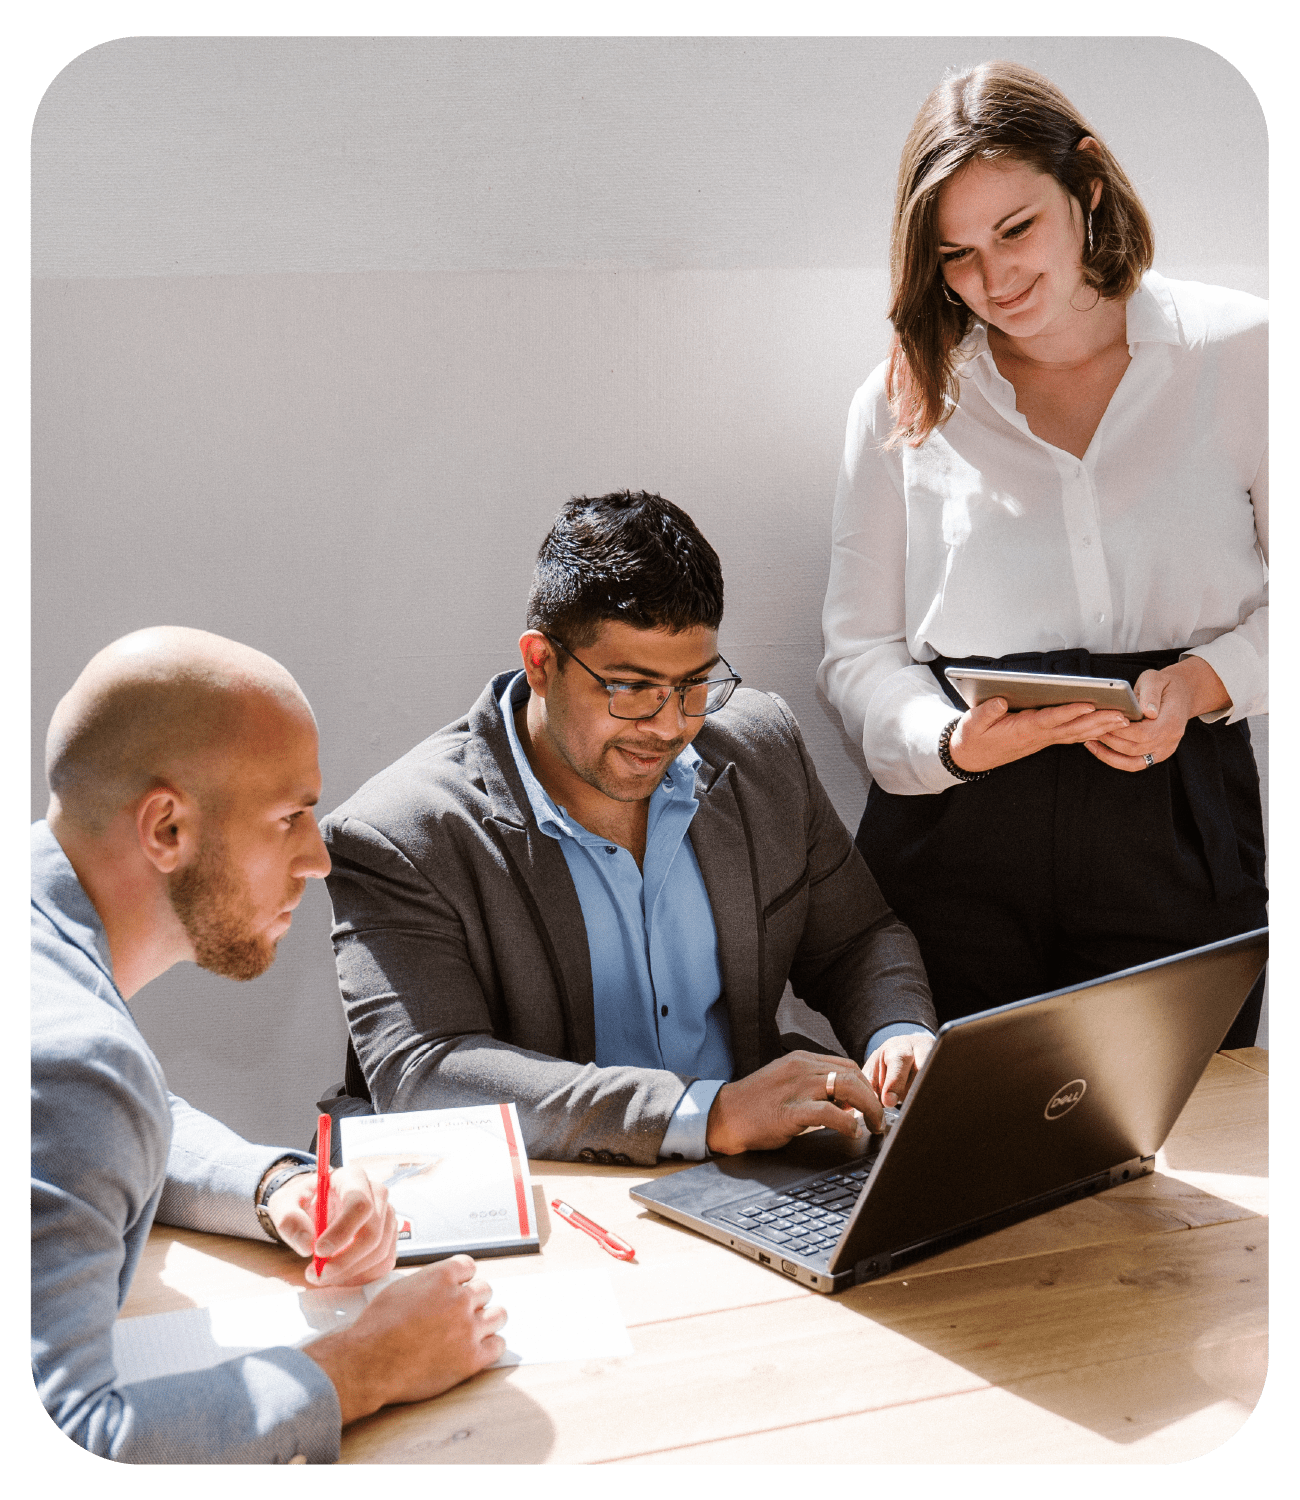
325	331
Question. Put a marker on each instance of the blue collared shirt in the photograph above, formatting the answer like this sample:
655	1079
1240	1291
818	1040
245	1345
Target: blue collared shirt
655	980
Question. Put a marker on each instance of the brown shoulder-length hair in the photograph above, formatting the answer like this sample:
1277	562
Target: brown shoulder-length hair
999	110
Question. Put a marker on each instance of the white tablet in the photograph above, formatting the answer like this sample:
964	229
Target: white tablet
1042	689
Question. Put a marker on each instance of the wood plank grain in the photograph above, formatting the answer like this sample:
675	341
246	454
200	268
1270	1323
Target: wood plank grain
1052	1319
185	1268
1251	1057
1136	1414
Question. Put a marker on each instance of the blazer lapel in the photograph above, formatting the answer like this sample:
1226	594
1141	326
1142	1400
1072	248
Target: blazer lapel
725	853
541	873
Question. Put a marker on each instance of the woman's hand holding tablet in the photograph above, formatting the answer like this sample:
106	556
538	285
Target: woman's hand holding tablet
1169	698
1014	714
991	735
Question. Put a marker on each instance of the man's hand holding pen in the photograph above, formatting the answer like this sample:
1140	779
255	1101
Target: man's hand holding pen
359	1243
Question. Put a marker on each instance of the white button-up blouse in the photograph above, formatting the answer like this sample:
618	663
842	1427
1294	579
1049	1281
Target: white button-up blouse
986	540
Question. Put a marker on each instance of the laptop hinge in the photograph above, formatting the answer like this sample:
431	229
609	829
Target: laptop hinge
873	1266
883	1262
1139	1166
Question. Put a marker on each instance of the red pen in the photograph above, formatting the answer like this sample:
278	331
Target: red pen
322	1184
619	1249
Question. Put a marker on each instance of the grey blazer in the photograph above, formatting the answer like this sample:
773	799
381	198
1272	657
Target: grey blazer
112	1150
462	953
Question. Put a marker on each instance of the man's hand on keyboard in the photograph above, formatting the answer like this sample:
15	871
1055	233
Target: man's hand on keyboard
895	1063
768	1108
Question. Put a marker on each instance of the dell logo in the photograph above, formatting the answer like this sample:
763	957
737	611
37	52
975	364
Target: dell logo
1064	1099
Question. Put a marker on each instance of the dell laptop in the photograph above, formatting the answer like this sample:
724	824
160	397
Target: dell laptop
1015	1111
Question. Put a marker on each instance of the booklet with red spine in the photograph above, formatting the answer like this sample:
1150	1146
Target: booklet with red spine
457	1178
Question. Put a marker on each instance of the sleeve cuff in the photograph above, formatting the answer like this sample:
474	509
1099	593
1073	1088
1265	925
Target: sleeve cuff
895	1028
686	1136
1242	674
905	717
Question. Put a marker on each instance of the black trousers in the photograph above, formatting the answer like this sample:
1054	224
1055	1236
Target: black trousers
1057	869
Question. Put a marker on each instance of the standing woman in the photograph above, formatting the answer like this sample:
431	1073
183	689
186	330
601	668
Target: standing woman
1062	467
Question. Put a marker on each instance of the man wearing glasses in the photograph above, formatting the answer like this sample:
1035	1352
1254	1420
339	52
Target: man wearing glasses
587	895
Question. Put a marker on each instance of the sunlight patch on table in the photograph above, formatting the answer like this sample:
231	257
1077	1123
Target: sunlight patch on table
204	1278
1245	1191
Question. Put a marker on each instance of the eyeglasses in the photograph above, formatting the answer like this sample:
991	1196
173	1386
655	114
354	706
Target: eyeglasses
631	700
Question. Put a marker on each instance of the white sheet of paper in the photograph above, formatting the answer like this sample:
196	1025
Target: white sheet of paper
197	1338
554	1316
559	1315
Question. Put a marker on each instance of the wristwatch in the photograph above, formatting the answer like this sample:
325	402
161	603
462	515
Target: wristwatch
275	1177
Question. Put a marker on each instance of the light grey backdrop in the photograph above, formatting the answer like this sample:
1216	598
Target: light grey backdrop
326	330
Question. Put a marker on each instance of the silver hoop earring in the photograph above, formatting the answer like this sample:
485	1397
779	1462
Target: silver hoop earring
947	291
1089	231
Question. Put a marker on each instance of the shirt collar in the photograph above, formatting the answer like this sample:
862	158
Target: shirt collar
1152	317
61	898
678	784
973	351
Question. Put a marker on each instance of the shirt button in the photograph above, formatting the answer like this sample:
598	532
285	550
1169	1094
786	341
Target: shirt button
609	849
1101	619
663	1010
1087	541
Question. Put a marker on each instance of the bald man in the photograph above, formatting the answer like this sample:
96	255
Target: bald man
183	772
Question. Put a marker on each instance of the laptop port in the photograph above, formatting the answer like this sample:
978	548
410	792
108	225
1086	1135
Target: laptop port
766	1259
790	1270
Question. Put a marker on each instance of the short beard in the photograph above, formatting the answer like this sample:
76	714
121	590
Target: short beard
213	904
593	772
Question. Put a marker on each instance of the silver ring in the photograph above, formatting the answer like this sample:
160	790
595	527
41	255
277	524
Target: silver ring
1150	760
830	1086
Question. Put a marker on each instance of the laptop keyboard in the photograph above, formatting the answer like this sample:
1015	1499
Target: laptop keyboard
807	1219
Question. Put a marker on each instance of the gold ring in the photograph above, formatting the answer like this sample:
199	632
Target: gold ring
830	1086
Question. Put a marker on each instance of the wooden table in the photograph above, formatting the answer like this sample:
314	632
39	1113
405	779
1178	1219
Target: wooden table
1127	1327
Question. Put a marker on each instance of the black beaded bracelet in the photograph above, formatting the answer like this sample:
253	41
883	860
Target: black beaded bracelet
946	760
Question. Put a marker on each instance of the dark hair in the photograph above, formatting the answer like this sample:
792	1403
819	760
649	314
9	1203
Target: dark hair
628	556
998	111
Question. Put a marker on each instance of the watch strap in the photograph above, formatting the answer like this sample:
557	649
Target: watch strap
276	1176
